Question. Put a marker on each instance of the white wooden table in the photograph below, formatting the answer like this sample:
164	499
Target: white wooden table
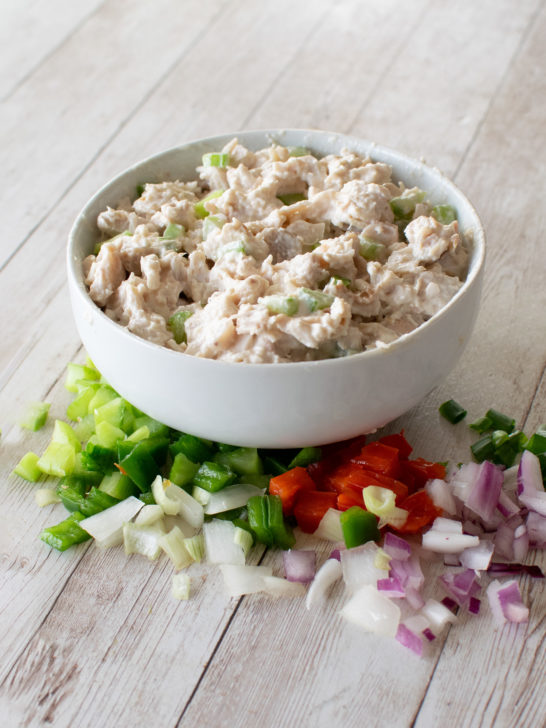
90	638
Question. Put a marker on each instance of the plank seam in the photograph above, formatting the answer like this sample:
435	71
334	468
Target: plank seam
153	88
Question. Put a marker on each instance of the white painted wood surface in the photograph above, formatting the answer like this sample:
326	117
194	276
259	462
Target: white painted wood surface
92	639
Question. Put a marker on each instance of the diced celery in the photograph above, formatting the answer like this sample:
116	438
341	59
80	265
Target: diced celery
290	198
58	459
199	207
340	279
157	429
173	231
444	213
180	586
195	546
104	394
27	467
35	415
404	206
212	222
243	539
65	435
117	412
195	448
183	470
117	485
66	533
315	300
298	151
109	435
173	544
142	433
79	407
216	159
243	460
46	497
177	324
370	250
287	305
74	372
85	428
237	246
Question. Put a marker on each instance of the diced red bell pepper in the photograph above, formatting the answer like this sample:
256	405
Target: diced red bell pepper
332	456
352	475
310	508
421	512
415	473
380	458
288	485
349	498
399	442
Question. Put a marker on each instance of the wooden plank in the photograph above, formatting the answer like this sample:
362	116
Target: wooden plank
515	657
73	102
31	30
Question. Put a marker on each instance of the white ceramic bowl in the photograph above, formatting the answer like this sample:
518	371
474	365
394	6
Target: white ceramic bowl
276	405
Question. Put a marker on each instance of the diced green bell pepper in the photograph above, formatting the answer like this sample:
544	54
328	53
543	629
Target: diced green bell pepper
358	527
265	518
213	477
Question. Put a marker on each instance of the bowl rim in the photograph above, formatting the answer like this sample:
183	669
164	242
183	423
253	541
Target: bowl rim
478	250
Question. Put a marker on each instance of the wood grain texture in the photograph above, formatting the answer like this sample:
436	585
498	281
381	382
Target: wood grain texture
92	638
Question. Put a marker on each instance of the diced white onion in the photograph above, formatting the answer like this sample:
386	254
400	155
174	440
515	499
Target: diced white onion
148	515
239	580
106	527
372	611
234	496
329	527
359	566
328	574
190	510
442	542
201	495
278	587
220	543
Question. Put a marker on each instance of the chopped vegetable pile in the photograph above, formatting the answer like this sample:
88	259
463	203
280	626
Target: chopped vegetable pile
127	479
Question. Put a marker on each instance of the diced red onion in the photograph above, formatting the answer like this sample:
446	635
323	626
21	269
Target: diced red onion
506	602
504	542
447	525
530	488
449	603
429	634
336	554
409	572
299	565
396	547
441	495
417	623
472	528
391	587
501	568
474	605
414	597
460	585
506	505
372	611
521	543
478	557
464	479
452	559
409	639
483	495
536	528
